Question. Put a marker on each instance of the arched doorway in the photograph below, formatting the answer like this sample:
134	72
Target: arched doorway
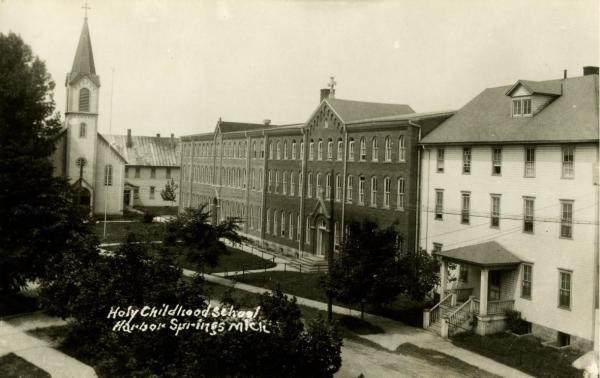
322	233
84	196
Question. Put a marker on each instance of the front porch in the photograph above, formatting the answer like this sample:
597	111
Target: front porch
477	288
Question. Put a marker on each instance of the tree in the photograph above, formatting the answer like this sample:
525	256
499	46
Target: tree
419	273
202	241
169	193
367	270
37	215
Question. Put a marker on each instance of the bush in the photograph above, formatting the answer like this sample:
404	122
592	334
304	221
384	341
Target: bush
515	323
148	217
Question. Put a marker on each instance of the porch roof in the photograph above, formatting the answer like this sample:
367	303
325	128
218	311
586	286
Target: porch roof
486	254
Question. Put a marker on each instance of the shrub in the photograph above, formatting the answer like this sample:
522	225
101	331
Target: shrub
515	323
148	217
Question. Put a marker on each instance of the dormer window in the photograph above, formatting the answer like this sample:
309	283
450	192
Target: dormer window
521	107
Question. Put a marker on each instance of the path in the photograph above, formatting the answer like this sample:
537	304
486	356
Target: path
13	339
396	333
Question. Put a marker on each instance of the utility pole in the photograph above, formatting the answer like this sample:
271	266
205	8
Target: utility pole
331	245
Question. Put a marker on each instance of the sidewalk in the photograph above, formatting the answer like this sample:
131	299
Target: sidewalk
396	333
13	339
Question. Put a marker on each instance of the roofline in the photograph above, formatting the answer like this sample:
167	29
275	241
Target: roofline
112	147
520	81
506	264
403	118
498	142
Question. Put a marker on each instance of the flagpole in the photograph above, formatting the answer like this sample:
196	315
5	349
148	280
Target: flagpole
112	86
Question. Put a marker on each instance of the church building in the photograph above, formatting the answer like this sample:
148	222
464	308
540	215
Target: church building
96	164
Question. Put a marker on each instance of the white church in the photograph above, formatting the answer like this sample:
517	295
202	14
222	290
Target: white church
109	172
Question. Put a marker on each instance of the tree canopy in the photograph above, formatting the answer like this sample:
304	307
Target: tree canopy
37	216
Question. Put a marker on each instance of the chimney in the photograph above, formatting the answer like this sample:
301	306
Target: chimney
590	70
266	122
172	140
158	135
324	94
129	143
564	74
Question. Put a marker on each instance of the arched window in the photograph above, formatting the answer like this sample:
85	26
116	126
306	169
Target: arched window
282	230
108	172
338	187
340	150
243	178
400	195
276	181
292	184
275	222
307	236
386	192
328	186
374	191
388	149
298	227
271	150
349	187
301	150
268	230
401	149
278	150
270	181
351	150
82	130
309	185
300	182
319	186
291	227
363	149
374	149
285	152
253	179
285	179
260	179
320	150
330	149
262	149
361	190
311	150
84	100
293	150
254	152
251	218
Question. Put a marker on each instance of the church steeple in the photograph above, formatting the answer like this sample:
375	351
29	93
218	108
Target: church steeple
83	64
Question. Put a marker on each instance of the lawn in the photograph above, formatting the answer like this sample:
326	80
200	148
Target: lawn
234	260
13	366
116	231
524	353
307	285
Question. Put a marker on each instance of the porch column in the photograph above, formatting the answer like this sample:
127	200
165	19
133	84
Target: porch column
443	277
483	293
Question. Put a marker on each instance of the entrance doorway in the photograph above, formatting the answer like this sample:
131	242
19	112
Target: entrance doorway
321	237
126	197
494	285
85	197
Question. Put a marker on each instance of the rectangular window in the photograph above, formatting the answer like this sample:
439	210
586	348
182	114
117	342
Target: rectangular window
526	279
137	172
516	108
563	339
566	219
528	214
564	289
338	188
439	204
401	149
466	208
400	195
292	184
440	160
168	175
567	161
463	274
466	161
387	183
152	172
495	213
108	175
496	161
529	161
374	191
527	107
361	190
152	189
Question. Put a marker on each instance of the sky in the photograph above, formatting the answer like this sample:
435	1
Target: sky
180	65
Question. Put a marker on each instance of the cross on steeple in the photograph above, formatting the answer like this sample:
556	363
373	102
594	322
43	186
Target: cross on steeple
332	83
86	7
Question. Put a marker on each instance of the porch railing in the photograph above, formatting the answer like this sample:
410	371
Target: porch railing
495	307
462	294
457	319
435	312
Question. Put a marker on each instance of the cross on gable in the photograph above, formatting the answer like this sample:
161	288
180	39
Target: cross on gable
332	83
86	7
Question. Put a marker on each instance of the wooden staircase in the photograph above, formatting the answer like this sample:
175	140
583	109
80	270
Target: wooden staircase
436	326
309	264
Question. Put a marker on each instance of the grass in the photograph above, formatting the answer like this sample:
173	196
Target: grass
524	353
18	303
233	261
307	285
116	232
13	366
159	210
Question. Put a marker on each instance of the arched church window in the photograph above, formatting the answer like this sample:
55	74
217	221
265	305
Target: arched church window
108	175
84	100
82	130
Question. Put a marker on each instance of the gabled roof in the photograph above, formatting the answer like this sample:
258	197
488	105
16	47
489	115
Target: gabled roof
83	63
149	151
350	111
112	147
549	87
571	117
486	254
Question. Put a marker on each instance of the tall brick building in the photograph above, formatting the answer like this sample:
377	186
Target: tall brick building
297	186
